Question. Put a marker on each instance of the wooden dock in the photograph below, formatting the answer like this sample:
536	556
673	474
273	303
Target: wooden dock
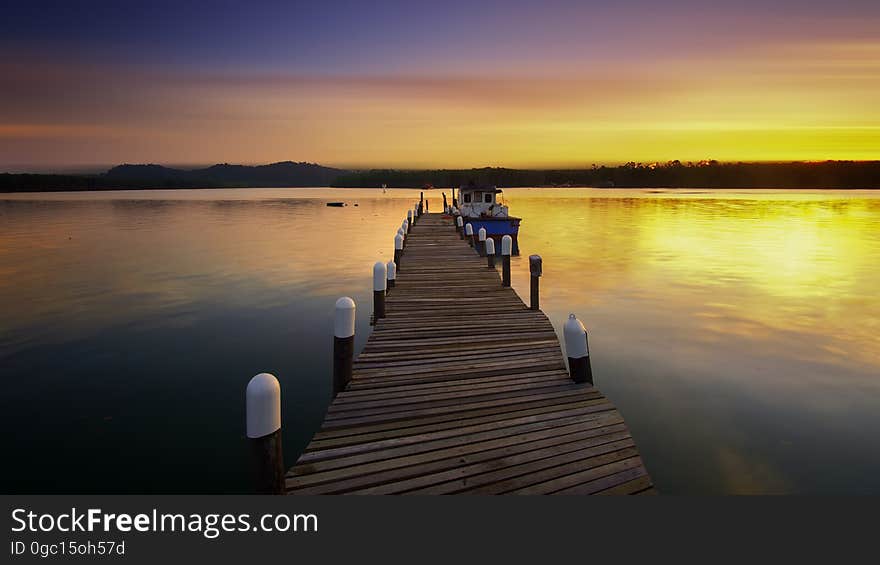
462	389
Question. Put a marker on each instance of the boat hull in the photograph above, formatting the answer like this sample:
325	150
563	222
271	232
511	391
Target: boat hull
497	228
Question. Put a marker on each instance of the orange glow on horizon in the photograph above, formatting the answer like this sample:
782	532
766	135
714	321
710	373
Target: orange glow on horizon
789	102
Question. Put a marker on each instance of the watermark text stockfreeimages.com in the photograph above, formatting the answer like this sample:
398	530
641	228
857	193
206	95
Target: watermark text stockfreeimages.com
210	526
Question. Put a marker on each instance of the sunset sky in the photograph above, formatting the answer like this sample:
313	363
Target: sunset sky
440	84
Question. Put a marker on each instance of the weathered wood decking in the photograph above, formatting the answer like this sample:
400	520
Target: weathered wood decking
462	389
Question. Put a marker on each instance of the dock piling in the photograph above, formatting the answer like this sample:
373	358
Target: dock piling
263	415
459	226
469	232
391	268
577	350
535	270
481	235
398	249
343	343
380	280
490	253
506	247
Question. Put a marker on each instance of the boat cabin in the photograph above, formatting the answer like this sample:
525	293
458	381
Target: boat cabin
481	201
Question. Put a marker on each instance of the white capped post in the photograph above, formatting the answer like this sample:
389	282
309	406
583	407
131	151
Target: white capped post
577	350
405	226
481	236
398	249
490	253
506	247
263	415
391	268
380	280
409	217
343	343
469	232
459	223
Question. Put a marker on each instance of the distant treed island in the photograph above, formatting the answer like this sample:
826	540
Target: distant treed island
673	174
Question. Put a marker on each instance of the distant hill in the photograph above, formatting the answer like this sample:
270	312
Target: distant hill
286	173
673	174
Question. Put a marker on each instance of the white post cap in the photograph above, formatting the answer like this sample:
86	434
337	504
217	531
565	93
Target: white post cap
263	405
469	229
398	242
490	246
575	338
482	234
506	245
380	281
400	232
409	214
459	221
391	268
343	321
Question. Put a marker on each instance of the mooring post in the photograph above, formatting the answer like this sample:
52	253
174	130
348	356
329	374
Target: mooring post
391	267
421	202
490	253
398	249
577	350
409	220
481	235
263	415
535	269
459	223
506	245
469	232
343	343
401	233
379	281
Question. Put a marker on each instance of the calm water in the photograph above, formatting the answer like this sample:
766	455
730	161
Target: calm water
738	332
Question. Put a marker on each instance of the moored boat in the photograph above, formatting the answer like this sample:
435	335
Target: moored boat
482	207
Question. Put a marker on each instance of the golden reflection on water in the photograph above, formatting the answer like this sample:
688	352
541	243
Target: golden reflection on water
767	262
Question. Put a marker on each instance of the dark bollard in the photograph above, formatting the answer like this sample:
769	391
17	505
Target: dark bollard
577	350
263	414
343	343
535	268
506	245
490	253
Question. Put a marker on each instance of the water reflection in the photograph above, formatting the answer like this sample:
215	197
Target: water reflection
737	332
